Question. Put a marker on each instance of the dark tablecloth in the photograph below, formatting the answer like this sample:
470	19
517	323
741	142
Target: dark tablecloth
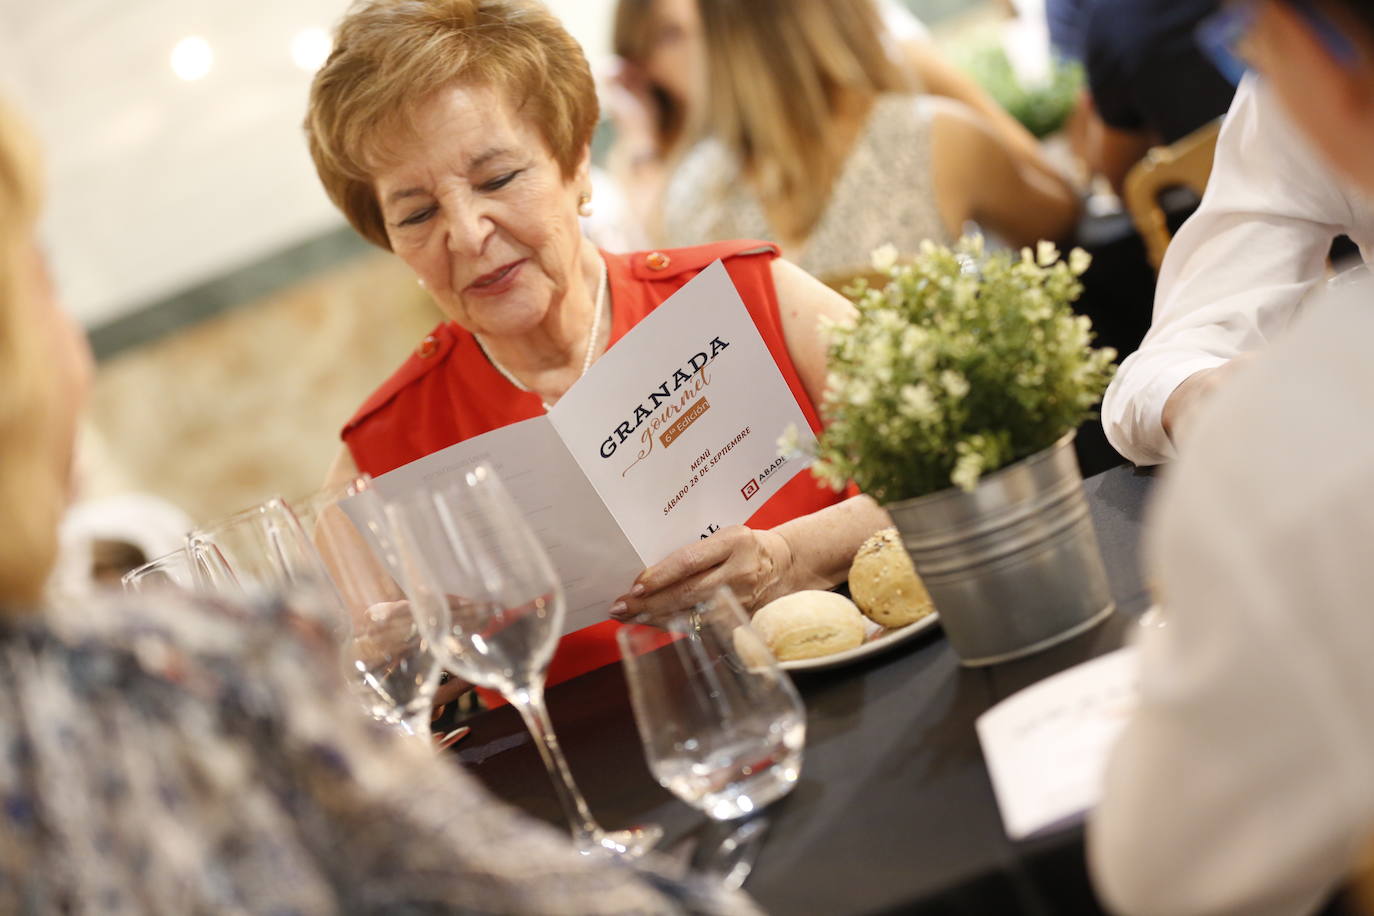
894	811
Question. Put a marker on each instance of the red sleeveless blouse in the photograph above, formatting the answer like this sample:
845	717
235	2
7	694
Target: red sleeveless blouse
448	391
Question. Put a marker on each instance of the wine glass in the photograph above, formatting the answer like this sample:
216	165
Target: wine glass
169	571
722	726
263	553
387	652
467	547
325	557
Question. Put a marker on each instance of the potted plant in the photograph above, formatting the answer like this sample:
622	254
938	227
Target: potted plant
953	398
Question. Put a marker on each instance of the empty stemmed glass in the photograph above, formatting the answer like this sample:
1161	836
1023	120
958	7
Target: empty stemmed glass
169	571
722	726
466	546
386	653
263	553
326	557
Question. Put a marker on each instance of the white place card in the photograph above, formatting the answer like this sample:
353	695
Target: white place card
672	435
1046	746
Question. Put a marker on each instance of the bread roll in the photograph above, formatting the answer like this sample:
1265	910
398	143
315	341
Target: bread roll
885	585
809	624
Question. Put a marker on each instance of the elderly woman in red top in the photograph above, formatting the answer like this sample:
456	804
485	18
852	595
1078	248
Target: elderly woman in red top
456	133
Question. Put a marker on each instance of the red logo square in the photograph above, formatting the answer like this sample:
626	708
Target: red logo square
749	489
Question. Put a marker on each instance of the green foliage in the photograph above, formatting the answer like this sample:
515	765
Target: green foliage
963	363
1041	109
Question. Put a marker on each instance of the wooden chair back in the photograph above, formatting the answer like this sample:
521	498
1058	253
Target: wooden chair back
1186	163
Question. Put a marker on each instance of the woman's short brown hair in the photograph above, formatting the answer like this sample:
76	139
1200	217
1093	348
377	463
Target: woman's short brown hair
391	56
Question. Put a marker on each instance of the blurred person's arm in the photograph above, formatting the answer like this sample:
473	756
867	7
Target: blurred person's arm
978	177
1233	277
937	76
1110	151
342	470
1241	783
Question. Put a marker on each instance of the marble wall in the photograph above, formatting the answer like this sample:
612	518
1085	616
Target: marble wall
248	404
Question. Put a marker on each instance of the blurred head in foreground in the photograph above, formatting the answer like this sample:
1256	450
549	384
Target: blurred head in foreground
44	374
1319	57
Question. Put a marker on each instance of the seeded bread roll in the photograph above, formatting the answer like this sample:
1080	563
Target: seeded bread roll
885	585
809	624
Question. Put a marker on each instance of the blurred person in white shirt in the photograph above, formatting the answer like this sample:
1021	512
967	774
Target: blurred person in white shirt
1241	268
1244	782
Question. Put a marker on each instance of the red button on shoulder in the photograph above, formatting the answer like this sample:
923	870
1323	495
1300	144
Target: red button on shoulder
428	347
657	260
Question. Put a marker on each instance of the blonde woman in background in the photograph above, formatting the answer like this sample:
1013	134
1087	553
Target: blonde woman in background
818	140
166	758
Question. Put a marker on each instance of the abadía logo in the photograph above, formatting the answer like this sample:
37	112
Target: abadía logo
669	409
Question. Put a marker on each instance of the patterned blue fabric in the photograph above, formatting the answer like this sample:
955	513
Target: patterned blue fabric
176	757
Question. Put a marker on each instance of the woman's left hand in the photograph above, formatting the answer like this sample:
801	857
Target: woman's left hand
755	564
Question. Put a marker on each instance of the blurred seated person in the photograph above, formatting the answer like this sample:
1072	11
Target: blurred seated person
818	141
1239	271
1150	82
1067	21
798	86
455	133
166	757
1242	783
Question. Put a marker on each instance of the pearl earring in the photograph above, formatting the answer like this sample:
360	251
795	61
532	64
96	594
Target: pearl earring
420	281
584	205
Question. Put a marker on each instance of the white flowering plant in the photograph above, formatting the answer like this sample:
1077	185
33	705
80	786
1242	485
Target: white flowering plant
964	362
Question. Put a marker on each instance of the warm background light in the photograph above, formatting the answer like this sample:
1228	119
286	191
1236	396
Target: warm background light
310	48
192	58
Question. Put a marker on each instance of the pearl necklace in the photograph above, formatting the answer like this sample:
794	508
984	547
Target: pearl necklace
591	341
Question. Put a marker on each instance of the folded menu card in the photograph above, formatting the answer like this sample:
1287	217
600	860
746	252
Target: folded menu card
670	436
1046	746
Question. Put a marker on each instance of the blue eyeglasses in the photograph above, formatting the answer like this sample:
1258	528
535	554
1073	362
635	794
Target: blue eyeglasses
1221	33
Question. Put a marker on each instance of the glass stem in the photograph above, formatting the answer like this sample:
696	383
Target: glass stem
529	701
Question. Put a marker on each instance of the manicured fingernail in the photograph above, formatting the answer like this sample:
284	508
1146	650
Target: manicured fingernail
638	590
618	609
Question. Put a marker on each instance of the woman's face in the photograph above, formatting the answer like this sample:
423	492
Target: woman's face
675	53
478	207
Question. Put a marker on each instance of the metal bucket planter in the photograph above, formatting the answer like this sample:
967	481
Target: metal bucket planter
1012	567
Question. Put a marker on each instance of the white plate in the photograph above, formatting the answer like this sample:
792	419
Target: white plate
882	643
